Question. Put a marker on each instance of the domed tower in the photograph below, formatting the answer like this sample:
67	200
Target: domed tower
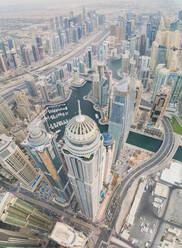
43	150
85	155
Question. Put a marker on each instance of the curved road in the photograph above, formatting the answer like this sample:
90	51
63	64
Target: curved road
157	162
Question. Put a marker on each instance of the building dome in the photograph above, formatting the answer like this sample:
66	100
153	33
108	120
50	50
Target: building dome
81	129
37	136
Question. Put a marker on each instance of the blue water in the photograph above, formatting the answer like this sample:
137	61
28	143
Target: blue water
178	154
143	141
72	104
135	139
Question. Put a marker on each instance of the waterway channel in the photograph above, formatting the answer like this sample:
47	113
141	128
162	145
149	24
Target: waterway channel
78	93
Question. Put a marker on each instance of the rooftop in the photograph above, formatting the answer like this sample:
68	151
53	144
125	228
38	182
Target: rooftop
173	174
81	128
161	190
4	141
37	136
67	236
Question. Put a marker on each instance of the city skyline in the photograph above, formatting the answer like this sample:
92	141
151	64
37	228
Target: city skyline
79	3
91	123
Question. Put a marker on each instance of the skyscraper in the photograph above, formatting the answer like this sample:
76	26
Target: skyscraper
16	163
10	44
161	55
20	97
84	13
25	55
125	59
128	29
81	67
180	15
144	70
85	154
101	54
74	35
161	78
143	44
96	88
35	53
3	63
89	58
43	150
60	86
176	89
7	117
159	106
31	88
18	213
44	92
22	105
121	114
14	58
104	91
161	50
39	46
3	49
3	129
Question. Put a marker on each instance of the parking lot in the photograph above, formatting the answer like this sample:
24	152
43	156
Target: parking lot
145	223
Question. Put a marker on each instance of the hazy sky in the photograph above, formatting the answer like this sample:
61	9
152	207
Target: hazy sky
72	3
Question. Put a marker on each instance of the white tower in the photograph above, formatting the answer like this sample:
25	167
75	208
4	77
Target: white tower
85	157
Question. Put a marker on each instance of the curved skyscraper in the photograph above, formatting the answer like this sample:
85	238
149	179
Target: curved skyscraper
85	157
121	114
44	152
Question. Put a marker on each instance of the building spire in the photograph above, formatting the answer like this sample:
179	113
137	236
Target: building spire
79	108
80	117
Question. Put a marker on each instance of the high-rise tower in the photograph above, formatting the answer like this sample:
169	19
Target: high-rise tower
16	163
161	78
43	150
6	115
90	58
159	106
121	114
176	89
85	154
31	88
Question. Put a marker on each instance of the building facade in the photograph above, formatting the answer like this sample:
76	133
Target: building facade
85	155
42	148
32	91
121	114
17	164
7	117
159	106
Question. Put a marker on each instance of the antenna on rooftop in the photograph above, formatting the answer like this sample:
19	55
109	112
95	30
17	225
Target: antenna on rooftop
79	108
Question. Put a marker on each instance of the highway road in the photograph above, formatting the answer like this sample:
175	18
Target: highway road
158	161
57	209
6	91
159	157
